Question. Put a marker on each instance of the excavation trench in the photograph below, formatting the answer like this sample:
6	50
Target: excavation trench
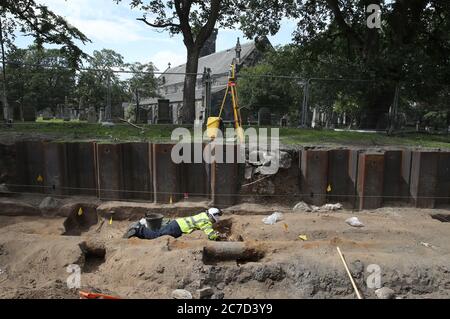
93	256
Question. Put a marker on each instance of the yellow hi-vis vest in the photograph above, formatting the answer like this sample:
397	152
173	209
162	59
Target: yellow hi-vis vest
198	222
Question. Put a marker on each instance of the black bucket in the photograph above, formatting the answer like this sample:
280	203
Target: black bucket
154	221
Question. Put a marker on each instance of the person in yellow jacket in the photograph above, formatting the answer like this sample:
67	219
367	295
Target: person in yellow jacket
203	221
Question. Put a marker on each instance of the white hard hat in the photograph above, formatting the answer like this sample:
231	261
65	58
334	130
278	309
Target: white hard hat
215	213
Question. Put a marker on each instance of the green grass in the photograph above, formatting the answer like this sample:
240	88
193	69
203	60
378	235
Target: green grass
291	136
81	131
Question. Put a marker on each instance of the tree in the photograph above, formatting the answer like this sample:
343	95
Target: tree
40	77
143	79
257	90
98	85
142	83
411	49
33	19
194	20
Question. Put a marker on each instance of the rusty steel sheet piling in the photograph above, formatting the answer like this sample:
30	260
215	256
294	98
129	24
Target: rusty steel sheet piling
109	171
8	164
353	160
30	167
314	176
195	173
55	173
370	180
137	172
443	188
424	178
166	175
397	166
81	169
226	177
340	187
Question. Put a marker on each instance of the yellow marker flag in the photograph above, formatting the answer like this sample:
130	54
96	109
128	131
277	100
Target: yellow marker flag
285	227
40	179
303	237
329	188
80	211
170	201
110	221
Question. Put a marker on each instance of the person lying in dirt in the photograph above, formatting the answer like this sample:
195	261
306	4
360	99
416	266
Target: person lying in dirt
203	221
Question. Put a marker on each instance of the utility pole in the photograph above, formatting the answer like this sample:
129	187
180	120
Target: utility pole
137	106
4	95
108	111
393	114
304	111
207	91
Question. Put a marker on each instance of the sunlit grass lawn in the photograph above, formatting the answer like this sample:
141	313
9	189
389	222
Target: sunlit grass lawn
75	130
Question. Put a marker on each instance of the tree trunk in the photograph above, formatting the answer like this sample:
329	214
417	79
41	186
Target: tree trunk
190	80
4	89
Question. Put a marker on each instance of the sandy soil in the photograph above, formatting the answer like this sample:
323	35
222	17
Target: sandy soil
411	249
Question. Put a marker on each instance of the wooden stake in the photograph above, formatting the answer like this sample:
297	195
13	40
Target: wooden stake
349	274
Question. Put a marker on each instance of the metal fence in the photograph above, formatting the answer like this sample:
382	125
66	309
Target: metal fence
42	93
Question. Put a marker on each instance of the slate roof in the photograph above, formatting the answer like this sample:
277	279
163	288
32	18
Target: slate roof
178	96
218	62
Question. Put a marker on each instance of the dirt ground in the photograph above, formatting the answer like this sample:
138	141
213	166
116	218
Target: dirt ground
411	249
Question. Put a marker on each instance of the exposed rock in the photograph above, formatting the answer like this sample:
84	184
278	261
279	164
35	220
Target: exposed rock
181	294
302	206
205	293
221	286
332	207
285	160
249	172
256	158
357	268
385	293
354	222
218	295
265	187
49	205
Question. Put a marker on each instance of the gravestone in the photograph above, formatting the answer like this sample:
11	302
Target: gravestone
59	113
175	113
82	116
117	111
92	115
74	115
264	116
284	121
66	113
29	114
47	114
163	111
142	116
101	116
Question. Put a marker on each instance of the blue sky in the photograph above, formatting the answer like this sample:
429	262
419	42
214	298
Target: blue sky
114	26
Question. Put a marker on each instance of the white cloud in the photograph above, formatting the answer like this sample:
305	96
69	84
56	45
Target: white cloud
104	21
116	31
162	58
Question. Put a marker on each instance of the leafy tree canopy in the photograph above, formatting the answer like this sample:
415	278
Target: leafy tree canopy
37	20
